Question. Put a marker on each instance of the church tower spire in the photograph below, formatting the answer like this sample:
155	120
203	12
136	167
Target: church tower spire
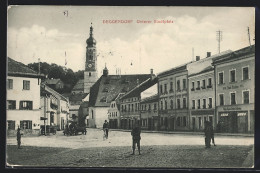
90	73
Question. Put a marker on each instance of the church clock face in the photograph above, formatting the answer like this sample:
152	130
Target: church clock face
90	65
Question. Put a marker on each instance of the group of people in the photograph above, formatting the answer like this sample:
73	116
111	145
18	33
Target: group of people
136	135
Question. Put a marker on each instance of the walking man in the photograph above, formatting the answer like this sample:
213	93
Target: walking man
136	131
105	128
212	134
19	135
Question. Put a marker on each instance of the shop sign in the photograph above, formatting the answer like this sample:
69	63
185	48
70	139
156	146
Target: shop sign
241	114
232	87
231	108
224	114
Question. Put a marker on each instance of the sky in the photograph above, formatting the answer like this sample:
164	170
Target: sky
47	32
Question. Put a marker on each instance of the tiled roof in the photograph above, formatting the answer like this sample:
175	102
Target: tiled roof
150	99
108	87
77	97
16	68
79	86
236	55
140	88
174	70
207	69
45	88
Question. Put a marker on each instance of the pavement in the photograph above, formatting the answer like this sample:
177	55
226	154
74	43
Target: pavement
158	150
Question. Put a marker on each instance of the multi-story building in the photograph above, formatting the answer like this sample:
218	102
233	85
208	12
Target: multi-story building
23	98
149	113
54	108
114	112
235	95
173	98
130	103
202	91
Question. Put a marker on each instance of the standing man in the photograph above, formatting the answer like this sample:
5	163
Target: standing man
207	131
105	128
212	134
136	131
19	135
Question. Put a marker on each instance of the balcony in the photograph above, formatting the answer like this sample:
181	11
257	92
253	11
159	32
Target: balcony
209	86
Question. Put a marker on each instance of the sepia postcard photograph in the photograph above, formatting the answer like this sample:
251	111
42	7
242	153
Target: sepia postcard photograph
130	87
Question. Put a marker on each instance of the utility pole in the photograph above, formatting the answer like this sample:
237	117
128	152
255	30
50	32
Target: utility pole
193	54
219	39
248	32
39	70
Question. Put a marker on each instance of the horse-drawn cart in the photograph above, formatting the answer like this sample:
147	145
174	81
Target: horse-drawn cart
74	129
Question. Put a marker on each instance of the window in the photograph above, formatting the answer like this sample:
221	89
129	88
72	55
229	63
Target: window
184	102
10	125
178	121
245	73
26	85
165	88
199	104
210	102
26	124
246	97
193	86
204	103
165	104
171	104
203	84
221	99
11	104
184	121
193	104
232	77
52	117
178	85
198	85
184	83
178	103
171	87
161	105
155	106
26	105
10	84
122	108
149	107
209	83
132	107
233	98
161	91
89	74
221	78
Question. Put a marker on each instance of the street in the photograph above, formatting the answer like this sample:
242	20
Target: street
157	150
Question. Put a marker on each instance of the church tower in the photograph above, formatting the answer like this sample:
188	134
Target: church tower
90	73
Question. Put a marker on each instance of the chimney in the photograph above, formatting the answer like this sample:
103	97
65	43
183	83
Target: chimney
208	54
152	75
197	58
151	71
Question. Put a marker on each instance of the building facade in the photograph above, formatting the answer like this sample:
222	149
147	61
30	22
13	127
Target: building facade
149	113
173	98
235	91
114	112
23	98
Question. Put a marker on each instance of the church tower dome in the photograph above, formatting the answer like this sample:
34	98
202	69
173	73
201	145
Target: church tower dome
91	41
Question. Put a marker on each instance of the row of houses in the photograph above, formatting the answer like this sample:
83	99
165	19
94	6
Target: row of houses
31	104
218	88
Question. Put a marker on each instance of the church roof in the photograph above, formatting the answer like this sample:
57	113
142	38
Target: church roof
108	87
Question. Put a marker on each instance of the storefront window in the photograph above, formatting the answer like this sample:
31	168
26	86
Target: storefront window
193	104
178	103
184	84
184	102
26	124
199	104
